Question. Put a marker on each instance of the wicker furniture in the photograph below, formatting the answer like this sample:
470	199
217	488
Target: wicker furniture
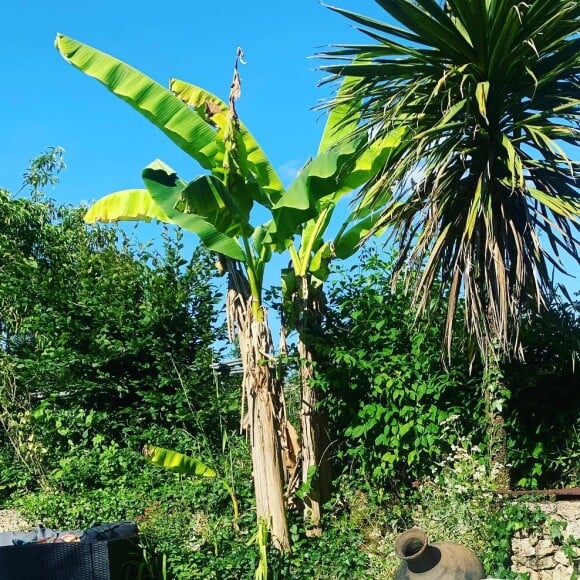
94	558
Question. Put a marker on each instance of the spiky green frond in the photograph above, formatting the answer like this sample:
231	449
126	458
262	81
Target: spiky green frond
484	192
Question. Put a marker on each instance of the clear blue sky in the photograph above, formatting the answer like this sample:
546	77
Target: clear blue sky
45	101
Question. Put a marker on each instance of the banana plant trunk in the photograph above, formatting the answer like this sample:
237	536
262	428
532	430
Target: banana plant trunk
265	415
316	473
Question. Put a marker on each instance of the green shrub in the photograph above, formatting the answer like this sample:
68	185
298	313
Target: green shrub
387	392
543	414
104	341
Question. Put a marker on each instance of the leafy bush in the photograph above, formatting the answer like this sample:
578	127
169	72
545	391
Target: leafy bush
104	341
543	414
388	393
188	523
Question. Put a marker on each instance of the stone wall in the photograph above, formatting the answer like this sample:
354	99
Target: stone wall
539	556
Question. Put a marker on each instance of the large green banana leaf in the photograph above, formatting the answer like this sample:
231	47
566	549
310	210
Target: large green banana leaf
126	205
319	178
177	462
212	109
167	190
328	177
207	197
160	201
167	112
342	165
337	171
341	123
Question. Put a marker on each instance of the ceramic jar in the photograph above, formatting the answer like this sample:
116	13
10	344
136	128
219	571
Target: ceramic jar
439	560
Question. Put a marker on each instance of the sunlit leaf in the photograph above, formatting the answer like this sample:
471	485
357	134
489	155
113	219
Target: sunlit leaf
126	205
182	125
214	110
167	191
177	462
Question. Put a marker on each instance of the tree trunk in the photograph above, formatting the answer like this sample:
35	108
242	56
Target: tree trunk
265	417
316	473
496	431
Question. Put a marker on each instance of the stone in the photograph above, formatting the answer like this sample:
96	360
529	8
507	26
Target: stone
545	563
573	529
545	548
561	558
560	573
523	549
538	555
568	510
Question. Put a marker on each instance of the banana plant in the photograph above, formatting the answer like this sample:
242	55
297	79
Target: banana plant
187	465
217	208
307	208
300	220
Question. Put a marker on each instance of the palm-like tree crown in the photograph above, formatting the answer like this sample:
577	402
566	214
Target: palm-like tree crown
484	195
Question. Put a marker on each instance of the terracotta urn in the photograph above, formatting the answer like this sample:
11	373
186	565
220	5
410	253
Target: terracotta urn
445	560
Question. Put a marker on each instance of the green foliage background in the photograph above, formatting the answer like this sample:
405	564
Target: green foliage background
398	407
106	344
389	392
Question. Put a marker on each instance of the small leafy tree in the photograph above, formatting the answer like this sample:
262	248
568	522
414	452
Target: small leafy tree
92	330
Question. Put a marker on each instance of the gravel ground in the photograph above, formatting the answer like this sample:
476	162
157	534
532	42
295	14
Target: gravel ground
12	521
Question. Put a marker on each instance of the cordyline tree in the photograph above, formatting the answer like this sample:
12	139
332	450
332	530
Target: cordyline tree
217	207
484	196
